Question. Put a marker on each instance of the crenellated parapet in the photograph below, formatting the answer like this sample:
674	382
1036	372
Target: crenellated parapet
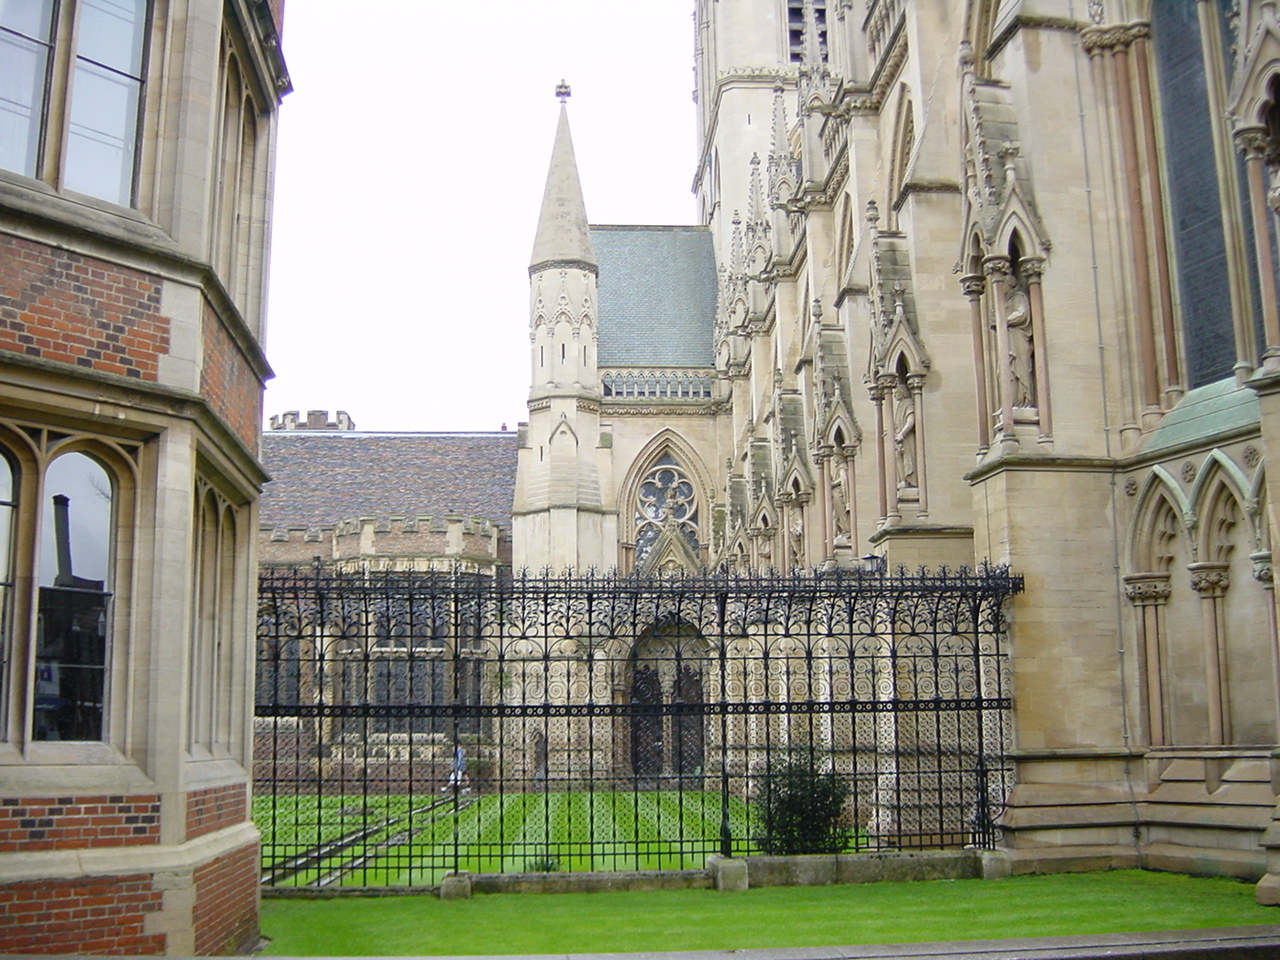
390	543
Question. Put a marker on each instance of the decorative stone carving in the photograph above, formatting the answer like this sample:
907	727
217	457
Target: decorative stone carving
1209	579
1131	487
1262	571
1021	343
904	434
1146	589
1188	472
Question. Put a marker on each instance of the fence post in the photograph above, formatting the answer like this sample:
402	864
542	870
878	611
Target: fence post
726	832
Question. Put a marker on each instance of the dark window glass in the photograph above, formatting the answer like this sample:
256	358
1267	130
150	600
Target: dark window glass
74	608
24	65
1195	212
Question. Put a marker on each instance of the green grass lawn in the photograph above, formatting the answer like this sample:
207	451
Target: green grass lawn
395	841
1060	905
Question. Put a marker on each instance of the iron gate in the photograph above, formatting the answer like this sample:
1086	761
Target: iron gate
411	724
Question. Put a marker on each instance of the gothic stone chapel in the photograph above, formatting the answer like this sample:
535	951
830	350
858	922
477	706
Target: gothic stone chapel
975	282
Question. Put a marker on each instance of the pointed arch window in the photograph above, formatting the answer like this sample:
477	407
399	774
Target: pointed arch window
666	497
74	610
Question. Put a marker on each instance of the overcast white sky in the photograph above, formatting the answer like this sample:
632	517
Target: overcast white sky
412	157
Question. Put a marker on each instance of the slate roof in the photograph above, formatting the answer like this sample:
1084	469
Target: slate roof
657	296
322	477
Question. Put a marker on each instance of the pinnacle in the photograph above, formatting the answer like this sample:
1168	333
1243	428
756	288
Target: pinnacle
563	236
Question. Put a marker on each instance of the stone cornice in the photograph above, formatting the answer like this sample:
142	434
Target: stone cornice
584	265
1031	464
1032	22
1115	35
924	186
666	408
128	393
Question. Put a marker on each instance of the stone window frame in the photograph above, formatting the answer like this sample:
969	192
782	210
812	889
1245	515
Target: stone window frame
31	451
690	521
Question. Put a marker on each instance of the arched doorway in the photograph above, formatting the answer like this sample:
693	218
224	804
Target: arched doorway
668	737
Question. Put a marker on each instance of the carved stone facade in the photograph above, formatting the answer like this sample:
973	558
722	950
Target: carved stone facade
991	284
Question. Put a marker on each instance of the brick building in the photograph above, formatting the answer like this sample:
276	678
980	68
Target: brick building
136	158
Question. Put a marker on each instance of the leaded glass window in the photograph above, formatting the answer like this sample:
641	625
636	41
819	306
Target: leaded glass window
666	497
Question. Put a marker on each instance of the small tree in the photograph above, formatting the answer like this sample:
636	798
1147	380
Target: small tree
802	809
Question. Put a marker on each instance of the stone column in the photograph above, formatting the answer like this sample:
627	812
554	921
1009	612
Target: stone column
973	286
823	460
783	546
888	382
998	271
1149	592
1137	226
1141	34
1253	143
1211	580
1263	573
882	480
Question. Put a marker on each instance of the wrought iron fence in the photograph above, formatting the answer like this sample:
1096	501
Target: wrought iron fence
413	724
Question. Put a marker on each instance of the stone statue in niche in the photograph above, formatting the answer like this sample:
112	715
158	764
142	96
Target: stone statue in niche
840	504
1017	312
795	535
904	435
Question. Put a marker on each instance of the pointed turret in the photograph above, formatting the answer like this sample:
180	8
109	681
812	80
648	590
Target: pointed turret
563	238
560	520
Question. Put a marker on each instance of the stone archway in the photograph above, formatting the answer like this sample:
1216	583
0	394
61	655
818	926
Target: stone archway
668	739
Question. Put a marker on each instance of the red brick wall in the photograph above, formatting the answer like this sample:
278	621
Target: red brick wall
95	915
226	911
74	822
228	382
74	309
215	808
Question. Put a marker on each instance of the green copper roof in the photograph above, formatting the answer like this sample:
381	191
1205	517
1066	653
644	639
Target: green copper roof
657	296
1207	411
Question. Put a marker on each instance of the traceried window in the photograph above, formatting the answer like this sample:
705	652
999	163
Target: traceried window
666	496
74	606
86	138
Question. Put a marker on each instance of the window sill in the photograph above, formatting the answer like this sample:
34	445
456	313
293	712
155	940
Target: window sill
36	200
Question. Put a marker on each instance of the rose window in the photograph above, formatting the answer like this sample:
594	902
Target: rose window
666	497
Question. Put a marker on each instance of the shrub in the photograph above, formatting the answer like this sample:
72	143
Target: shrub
802	810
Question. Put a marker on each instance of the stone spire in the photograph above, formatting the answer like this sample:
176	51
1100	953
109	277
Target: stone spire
563	238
